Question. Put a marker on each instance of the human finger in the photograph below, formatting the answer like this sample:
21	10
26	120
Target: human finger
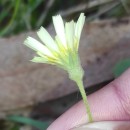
109	103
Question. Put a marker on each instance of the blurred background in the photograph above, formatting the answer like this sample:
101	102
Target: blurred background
34	95
19	16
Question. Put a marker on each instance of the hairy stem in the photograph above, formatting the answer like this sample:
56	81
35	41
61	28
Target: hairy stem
85	100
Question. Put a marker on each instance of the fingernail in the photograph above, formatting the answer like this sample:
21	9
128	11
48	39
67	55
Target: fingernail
80	128
86	127
109	125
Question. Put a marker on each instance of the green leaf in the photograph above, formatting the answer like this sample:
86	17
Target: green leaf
28	121
121	66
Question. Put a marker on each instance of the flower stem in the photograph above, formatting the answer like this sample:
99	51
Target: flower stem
85	100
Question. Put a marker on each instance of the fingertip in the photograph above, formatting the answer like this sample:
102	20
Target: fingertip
71	118
106	104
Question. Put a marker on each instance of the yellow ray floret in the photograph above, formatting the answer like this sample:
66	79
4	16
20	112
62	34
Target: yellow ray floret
63	50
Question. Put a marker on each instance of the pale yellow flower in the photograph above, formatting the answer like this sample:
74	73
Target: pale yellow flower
63	50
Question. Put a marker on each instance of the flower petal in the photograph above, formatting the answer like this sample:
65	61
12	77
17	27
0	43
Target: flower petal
37	46
69	30
79	26
39	60
47	39
59	27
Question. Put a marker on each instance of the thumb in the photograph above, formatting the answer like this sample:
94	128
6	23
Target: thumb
107	125
109	103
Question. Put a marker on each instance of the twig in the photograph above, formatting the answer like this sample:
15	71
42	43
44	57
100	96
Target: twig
102	12
84	6
43	16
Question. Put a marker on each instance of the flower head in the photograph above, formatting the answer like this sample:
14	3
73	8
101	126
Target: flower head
63	50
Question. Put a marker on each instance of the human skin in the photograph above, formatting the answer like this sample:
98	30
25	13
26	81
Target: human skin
111	103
